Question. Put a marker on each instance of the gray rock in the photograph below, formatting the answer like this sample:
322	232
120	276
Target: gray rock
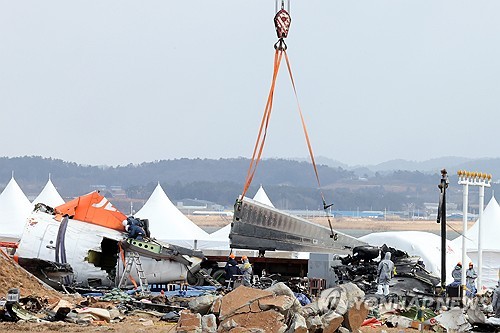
202	304
298	324
209	323
314	323
310	309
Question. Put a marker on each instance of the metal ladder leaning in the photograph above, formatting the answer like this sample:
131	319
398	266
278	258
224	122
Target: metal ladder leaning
133	257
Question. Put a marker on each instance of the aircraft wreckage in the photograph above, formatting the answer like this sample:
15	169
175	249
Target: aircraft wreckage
261	227
83	243
87	234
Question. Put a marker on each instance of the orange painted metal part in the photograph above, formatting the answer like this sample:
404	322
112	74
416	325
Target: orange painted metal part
92	208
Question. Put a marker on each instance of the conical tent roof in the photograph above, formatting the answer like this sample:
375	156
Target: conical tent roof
222	234
220	238
49	196
167	223
14	210
261	196
491	230
491	247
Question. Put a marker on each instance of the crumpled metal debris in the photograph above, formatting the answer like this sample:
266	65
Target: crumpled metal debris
453	319
410	279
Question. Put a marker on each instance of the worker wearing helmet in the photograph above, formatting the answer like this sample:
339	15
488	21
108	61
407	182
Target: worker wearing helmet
231	270
134	228
385	272
470	279
247	271
457	274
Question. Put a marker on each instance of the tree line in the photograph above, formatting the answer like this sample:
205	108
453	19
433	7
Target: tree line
289	184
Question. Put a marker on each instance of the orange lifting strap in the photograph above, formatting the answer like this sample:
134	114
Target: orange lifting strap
282	21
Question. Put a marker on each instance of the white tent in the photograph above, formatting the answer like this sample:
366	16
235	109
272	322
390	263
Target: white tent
219	240
14	211
490	244
49	196
167	223
261	196
418	243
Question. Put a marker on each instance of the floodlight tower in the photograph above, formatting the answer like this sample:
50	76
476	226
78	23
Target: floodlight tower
482	180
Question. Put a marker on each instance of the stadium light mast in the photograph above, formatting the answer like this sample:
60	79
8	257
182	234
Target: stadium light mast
482	180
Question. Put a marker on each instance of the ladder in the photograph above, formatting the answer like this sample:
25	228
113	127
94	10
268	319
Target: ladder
203	273
133	257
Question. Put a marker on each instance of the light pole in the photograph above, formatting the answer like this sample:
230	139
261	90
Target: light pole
482	180
441	218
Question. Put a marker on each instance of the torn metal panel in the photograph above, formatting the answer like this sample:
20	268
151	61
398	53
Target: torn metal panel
258	226
49	272
454	319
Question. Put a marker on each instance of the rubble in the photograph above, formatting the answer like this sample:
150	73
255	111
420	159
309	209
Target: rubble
454	319
361	269
189	322
276	309
343	308
209	323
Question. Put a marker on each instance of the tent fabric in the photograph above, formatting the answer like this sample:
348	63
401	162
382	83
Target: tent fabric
49	196
261	196
218	240
418	243
93	208
15	209
490	243
169	224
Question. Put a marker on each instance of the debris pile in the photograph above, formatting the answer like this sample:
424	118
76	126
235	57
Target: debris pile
344	308
361	268
276	309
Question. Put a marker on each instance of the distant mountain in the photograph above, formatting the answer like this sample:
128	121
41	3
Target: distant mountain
290	184
432	165
429	166
322	160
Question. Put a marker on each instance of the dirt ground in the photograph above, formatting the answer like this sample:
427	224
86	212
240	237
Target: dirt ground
129	325
13	276
134	325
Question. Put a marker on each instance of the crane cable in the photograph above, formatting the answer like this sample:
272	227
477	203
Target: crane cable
282	22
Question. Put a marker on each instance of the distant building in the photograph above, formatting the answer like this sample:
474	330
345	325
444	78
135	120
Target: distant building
189	206
98	187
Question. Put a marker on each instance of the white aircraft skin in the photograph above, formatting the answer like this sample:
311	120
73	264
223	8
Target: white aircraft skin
83	243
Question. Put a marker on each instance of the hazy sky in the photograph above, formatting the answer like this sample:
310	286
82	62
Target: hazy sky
118	82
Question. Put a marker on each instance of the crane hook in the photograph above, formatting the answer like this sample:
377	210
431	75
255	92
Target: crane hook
282	21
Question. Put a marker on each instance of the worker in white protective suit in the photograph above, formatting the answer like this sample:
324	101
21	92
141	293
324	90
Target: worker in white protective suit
470	281
247	271
385	272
